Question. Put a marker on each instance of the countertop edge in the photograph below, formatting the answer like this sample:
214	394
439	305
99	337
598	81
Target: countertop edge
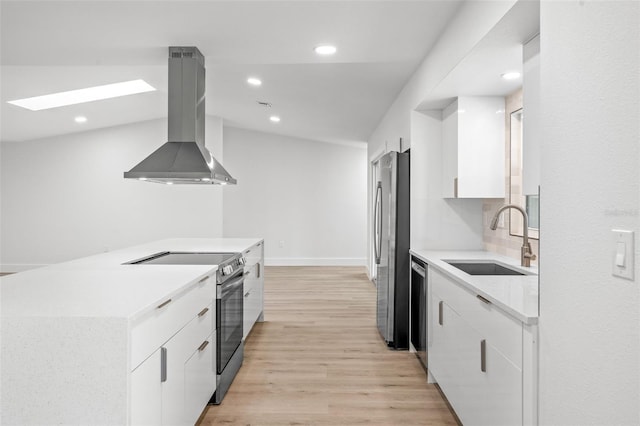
112	263
434	258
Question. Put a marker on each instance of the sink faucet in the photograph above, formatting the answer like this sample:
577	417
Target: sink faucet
526	255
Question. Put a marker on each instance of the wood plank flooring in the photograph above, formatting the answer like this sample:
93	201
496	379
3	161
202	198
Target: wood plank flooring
318	360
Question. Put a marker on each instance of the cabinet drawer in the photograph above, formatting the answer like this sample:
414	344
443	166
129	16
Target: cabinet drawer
199	328
152	330
253	255
499	329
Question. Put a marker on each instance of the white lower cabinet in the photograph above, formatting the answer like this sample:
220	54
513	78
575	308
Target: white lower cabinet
200	379
146	392
182	361
475	355
253	287
174	384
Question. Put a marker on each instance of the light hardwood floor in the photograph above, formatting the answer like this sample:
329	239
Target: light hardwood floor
319	360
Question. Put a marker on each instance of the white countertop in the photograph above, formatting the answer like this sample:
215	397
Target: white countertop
102	286
516	295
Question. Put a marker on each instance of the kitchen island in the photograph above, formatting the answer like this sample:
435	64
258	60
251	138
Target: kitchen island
80	338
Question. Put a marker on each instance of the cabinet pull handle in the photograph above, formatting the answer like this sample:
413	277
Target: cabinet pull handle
203	345
257	270
247	273
202	312
488	302
483	356
163	304
440	312
203	279
163	364
248	293
455	187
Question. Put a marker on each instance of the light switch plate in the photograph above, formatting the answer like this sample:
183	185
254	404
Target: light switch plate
622	246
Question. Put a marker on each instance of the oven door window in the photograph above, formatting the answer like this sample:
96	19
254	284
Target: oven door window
230	321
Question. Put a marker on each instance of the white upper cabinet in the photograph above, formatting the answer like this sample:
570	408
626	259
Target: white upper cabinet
473	151
531	119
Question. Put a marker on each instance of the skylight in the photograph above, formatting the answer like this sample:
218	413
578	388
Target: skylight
72	97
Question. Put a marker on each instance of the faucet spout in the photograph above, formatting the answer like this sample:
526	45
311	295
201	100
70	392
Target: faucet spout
526	255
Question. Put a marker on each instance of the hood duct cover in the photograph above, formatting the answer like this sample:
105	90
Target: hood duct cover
184	159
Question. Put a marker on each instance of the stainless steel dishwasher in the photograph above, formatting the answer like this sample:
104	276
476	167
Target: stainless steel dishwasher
419	309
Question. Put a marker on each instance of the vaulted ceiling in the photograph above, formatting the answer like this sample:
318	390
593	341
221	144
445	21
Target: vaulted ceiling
52	46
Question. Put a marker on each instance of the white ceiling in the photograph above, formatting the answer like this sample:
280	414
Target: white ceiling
51	46
500	51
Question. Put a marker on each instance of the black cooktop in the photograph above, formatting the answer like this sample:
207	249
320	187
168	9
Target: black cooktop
184	258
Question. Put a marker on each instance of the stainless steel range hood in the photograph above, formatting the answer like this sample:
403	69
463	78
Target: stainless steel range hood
184	159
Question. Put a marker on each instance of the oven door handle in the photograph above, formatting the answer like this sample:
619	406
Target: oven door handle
231	286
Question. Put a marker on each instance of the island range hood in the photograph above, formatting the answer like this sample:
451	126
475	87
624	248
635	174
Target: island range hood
184	159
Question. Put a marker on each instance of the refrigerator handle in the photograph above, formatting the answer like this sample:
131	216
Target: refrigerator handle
378	223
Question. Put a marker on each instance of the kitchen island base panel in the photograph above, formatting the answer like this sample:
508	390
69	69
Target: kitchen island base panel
68	334
68	368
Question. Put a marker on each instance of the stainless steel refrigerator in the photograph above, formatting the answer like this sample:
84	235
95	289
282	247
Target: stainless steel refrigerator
391	249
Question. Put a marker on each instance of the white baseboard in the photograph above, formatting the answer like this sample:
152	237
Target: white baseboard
9	268
314	261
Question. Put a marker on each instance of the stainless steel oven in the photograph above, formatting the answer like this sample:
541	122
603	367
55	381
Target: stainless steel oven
230	313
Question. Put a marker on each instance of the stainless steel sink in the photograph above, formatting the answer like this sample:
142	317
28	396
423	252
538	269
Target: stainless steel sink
483	268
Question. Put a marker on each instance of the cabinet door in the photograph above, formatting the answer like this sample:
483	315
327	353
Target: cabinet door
454	359
179	350
435	342
146	392
473	148
466	389
253	287
481	393
200	379
501	394
450	150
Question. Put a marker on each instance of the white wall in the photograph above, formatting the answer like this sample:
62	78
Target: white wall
65	197
468	27
590	184
472	22
309	195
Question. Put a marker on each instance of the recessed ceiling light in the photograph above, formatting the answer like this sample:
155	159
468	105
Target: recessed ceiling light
274	118
80	119
142	179
80	96
169	183
511	75
325	49
254	81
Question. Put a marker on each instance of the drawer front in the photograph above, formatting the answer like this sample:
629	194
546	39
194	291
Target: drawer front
154	329
199	328
253	255
499	329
